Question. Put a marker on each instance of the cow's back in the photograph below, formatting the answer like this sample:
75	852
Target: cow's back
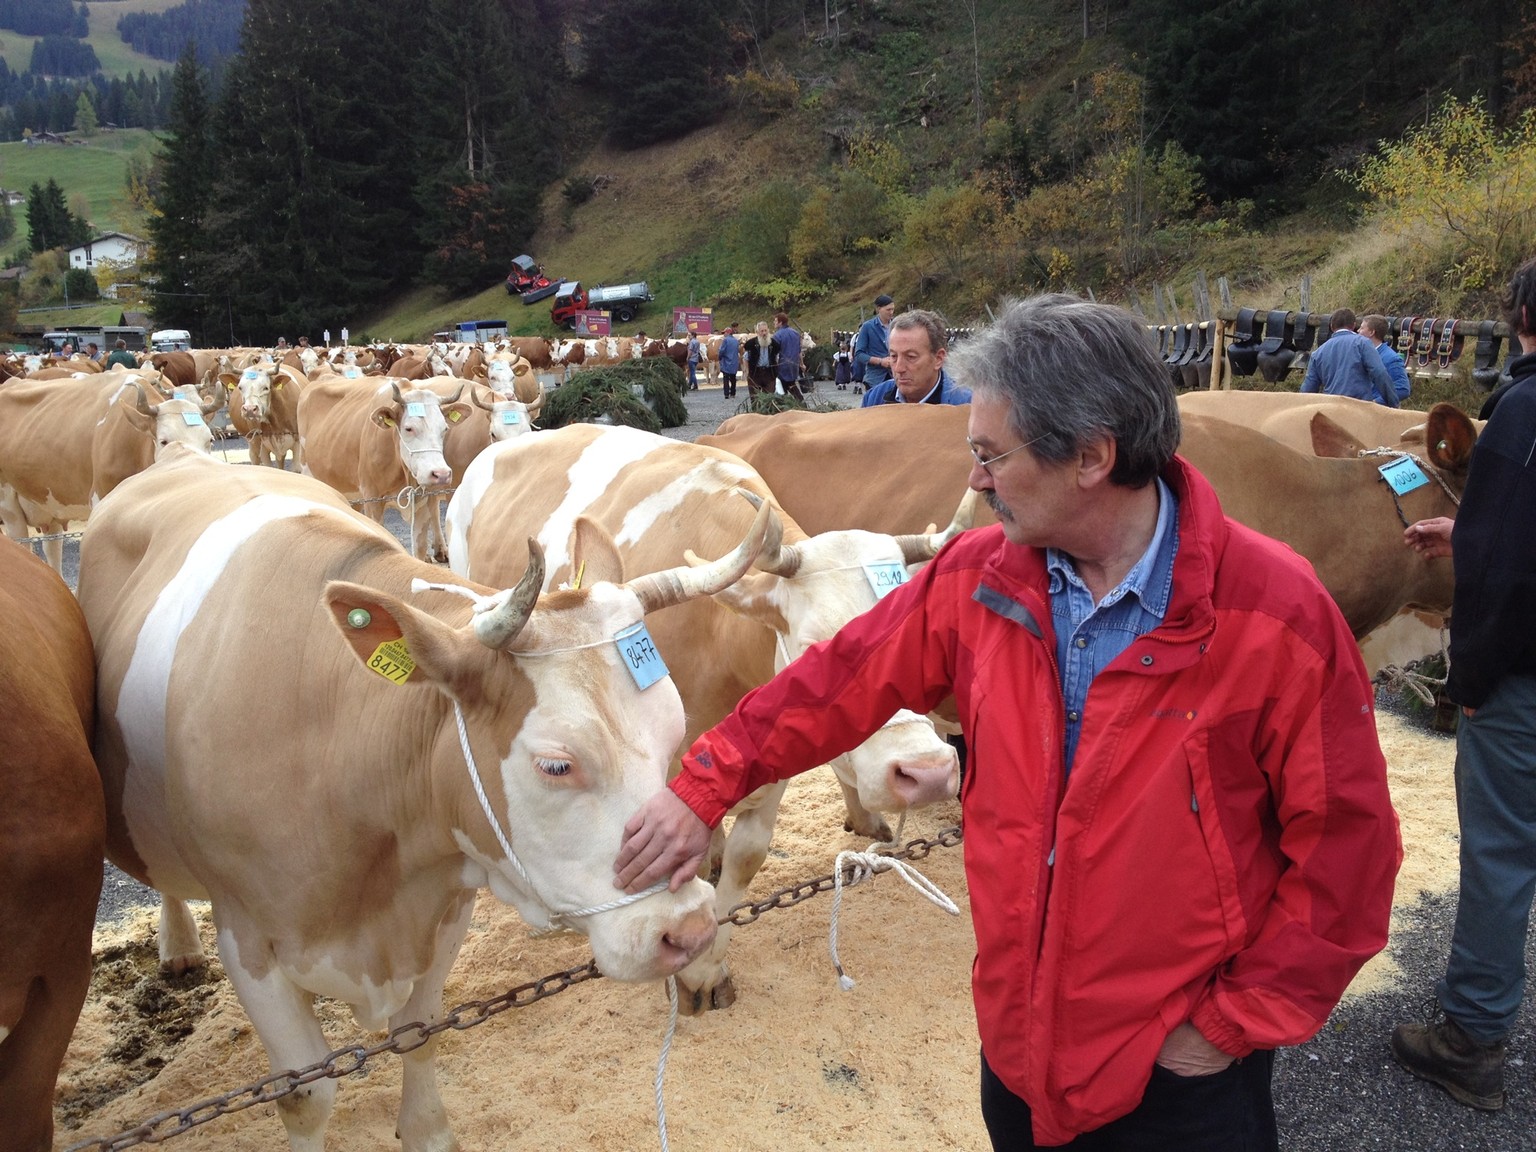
332	413
46	433
52	831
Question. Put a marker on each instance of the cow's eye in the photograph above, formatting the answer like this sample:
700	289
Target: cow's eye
553	767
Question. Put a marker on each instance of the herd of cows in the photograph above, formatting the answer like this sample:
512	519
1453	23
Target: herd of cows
427	731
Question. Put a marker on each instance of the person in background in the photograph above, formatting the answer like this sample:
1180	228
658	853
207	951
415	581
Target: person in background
92	352
1374	329
730	361
919	344
791	361
871	355
120	357
1347	365
1179	843
842	366
762	355
1492	675
695	352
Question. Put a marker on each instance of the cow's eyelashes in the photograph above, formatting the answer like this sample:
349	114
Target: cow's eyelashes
552	767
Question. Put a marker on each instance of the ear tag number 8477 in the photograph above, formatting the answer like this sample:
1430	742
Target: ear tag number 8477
1403	475
638	652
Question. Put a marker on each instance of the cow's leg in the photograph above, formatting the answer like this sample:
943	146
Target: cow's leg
423	1124
436	545
180	949
860	819
53	550
284	1018
253	446
706	983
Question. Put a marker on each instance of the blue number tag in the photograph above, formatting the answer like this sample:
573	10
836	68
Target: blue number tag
249	374
510	416
885	578
352	373
638	652
1403	475
183	393
415	408
192	418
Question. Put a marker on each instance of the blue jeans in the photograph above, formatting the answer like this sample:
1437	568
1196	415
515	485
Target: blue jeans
693	373
1496	807
1230	1111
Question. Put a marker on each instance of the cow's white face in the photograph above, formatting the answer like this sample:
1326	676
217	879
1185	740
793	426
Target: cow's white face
419	426
181	422
841	575
501	374
570	784
255	388
509	419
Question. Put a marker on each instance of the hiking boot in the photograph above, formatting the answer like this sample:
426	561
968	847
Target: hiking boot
1444	1054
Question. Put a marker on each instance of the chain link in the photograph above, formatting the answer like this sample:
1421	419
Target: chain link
408	1037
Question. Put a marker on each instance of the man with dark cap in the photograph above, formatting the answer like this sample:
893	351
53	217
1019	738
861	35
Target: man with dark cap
871	347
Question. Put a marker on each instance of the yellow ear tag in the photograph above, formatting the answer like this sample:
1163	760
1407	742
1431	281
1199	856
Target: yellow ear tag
576	583
392	660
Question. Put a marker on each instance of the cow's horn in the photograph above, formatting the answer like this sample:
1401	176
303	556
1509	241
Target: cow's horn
394	389
459	391
479	403
916	549
499	626
774	558
144	405
663	589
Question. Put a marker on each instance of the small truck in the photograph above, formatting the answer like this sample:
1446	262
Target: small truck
622	300
528	281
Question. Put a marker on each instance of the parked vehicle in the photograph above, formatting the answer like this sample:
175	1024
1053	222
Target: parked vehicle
621	300
528	281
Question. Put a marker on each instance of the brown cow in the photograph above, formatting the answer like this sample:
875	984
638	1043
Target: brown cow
853	469
52	835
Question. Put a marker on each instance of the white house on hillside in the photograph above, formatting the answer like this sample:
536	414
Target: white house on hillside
118	247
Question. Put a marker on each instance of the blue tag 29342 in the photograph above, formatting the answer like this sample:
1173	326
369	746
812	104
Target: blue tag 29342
1403	475
639	654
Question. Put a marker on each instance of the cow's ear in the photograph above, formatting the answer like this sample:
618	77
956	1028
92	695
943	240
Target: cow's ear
384	417
455	413
594	554
229	380
396	641
1330	439
1450	435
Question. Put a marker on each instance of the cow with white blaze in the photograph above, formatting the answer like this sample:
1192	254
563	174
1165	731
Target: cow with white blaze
424	740
64	444
660	498
263	408
372	441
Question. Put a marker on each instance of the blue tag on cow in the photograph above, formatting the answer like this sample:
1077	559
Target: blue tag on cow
638	651
885	578
511	416
1403	475
351	373
183	393
416	408
249	374
192	418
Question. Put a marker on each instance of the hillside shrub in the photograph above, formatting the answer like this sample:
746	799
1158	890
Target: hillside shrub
80	284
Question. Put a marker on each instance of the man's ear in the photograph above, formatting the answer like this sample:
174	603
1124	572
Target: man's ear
1096	460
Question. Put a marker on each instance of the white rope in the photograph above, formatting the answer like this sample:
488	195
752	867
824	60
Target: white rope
864	865
661	1063
1424	466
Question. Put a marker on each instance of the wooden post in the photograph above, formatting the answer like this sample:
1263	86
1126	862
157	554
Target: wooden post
1306	292
1221	379
1226	291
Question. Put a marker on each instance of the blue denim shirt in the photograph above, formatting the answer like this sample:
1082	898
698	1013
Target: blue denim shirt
1089	636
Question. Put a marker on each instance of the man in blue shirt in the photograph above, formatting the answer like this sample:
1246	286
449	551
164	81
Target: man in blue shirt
1347	365
919	344
789	355
871	355
730	361
1374	329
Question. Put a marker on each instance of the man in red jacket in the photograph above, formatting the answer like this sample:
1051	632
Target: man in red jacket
1179	845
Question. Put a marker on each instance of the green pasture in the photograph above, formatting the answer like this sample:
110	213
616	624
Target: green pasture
93	174
117	59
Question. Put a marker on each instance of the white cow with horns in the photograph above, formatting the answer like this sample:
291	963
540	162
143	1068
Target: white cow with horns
418	741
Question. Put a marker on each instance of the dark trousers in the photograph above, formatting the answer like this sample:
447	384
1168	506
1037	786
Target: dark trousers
729	387
1231	1111
760	379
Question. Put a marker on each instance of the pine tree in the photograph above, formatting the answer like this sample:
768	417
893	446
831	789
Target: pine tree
86	122
651	58
183	292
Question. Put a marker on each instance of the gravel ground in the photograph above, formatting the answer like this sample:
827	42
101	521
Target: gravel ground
1340	1090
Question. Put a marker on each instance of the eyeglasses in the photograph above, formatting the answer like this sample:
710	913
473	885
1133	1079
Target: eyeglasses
985	462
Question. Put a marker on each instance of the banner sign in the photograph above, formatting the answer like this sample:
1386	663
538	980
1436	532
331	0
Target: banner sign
699	321
592	322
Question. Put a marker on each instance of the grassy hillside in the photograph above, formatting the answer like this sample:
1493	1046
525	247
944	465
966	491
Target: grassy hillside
92	173
117	59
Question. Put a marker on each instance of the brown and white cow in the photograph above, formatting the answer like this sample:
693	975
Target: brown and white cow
896	466
659	497
64	444
264	408
373	440
52	834
415	745
492	419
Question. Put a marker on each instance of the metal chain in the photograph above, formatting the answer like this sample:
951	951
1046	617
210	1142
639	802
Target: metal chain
408	1037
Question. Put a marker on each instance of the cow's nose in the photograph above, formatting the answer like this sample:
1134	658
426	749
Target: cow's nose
691	936
926	779
443	475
